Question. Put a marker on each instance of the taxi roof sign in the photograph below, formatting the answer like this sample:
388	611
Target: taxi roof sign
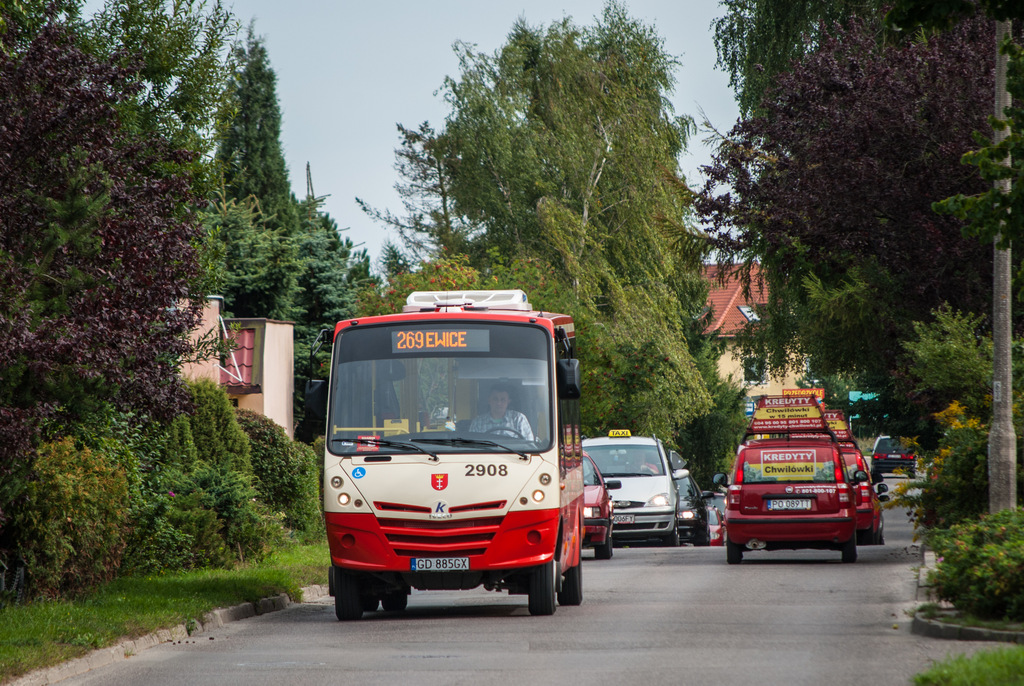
619	433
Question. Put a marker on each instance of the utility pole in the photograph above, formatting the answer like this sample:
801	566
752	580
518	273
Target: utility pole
1002	441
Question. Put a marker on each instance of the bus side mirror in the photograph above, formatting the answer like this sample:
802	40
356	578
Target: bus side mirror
316	399
567	377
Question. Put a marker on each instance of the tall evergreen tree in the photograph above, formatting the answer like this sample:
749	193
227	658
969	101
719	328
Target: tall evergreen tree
251	149
258	217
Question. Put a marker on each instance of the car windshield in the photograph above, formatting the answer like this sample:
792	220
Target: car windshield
889	445
627	459
712	516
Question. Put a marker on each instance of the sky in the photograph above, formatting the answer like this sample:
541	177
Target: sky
348	72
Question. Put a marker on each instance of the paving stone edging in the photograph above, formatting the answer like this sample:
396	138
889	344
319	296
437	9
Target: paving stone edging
936	628
128	648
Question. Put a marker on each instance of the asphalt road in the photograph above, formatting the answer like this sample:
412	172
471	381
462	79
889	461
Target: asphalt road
650	616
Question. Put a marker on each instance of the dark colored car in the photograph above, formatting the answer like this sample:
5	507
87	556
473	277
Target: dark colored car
717	526
692	512
597	510
716	499
890	456
790	493
870	523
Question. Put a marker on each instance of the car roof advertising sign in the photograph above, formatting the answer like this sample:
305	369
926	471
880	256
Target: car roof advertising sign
797	463
776	414
837	422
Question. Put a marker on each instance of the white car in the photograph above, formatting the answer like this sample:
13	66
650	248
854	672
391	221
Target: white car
645	505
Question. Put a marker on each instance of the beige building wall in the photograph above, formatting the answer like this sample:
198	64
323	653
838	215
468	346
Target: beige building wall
730	365
206	369
279	374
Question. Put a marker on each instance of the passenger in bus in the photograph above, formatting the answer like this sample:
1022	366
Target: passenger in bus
499	418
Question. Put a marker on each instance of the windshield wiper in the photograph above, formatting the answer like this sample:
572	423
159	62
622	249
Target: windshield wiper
384	442
473	441
612	475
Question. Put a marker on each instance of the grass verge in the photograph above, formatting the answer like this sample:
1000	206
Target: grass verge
1001	667
45	633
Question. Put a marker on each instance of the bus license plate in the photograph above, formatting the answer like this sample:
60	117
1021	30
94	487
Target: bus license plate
622	519
439	564
789	504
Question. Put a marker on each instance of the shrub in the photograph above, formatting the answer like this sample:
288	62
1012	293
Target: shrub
285	472
218	438
248	529
953	487
180	448
981	565
175	533
73	521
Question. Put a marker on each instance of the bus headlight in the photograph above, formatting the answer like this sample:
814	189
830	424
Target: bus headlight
336	482
545	479
538	495
344	499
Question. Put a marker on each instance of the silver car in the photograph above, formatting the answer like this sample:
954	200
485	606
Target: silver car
645	506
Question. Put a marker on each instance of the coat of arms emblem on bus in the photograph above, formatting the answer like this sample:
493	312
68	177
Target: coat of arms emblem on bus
439	481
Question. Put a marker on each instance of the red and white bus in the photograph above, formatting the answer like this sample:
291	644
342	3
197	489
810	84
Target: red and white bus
453	457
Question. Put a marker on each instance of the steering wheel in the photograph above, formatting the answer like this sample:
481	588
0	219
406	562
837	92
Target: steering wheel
501	430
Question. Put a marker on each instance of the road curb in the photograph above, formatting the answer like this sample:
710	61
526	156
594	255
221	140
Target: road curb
936	628
125	649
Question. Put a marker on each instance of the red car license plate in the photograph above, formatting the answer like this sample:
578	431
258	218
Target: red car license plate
790	504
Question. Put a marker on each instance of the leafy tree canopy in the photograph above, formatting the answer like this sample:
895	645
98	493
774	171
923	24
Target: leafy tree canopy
757	40
561	150
830	188
97	240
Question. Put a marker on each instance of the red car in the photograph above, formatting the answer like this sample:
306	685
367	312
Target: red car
597	510
789	493
716	527
870	524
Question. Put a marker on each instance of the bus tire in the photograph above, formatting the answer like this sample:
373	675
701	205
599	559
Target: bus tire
543	583
571	592
348	603
395	601
733	553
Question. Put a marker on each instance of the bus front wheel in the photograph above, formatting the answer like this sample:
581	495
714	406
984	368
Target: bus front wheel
348	604
543	586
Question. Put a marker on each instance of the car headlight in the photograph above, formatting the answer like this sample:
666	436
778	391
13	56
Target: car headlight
588	513
660	500
687	514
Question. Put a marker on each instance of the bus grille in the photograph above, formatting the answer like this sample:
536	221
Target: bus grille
440	538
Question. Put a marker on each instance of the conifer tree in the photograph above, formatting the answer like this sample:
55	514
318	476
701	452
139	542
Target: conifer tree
251	150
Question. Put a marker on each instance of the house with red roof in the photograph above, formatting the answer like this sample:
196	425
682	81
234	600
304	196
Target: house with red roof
732	307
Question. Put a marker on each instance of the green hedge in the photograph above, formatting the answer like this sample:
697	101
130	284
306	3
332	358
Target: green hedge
981	566
73	520
286	473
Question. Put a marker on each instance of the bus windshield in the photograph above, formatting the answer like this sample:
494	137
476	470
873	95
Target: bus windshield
444	386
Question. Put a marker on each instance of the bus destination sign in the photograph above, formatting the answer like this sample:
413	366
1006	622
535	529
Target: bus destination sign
440	340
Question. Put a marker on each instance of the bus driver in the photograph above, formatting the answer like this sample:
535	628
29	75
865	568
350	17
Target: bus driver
500	417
